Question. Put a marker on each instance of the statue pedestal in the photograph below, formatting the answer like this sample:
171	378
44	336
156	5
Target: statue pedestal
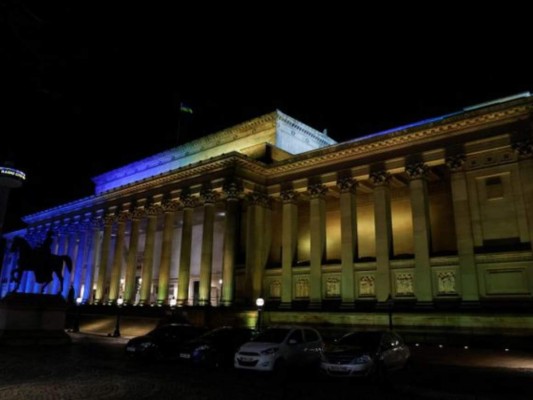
27	319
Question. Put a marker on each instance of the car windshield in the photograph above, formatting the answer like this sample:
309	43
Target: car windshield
216	333
272	335
174	331
363	340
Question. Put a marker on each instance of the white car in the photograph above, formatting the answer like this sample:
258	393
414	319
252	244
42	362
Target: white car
278	347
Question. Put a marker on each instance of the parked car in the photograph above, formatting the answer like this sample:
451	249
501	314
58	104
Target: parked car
163	341
365	353
277	348
215	348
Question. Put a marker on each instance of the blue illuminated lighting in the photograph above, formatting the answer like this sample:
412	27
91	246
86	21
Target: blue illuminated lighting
442	117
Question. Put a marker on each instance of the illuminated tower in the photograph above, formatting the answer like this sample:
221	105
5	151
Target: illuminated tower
9	178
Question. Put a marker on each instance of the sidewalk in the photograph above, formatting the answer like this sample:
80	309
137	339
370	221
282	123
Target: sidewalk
468	357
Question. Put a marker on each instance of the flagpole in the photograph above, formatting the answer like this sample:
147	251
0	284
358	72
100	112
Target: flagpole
183	109
179	127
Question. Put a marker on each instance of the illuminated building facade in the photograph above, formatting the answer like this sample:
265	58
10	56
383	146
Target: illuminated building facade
437	211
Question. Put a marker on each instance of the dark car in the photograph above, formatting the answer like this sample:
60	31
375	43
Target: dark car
365	353
215	348
163	341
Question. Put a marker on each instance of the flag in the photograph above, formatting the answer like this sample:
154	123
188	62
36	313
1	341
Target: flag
185	108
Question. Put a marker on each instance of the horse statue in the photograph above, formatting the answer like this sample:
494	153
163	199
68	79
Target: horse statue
42	263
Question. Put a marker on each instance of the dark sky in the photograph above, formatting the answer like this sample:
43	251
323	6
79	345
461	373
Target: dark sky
87	90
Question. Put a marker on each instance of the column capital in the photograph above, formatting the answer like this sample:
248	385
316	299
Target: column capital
187	200
317	190
456	162
138	213
109	219
96	222
123	216
417	170
289	196
257	199
170	206
347	184
523	148
380	178
208	196
154	210
232	190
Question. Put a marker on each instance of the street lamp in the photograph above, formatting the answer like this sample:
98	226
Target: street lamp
390	304
220	281
259	302
76	327
116	333
173	302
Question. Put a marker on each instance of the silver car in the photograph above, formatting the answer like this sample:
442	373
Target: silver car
277	348
365	353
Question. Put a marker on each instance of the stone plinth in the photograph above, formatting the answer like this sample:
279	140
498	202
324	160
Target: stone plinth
27	319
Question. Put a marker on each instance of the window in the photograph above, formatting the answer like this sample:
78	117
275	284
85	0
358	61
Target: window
494	188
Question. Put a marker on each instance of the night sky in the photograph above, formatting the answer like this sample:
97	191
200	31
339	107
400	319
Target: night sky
87	90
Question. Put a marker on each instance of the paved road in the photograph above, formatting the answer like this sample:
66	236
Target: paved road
95	367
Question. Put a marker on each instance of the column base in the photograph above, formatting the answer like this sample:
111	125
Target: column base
315	305
424	305
347	305
470	305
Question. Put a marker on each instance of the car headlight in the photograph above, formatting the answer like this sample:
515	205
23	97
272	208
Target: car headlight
201	349
269	351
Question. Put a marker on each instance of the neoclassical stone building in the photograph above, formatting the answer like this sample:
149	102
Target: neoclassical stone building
437	211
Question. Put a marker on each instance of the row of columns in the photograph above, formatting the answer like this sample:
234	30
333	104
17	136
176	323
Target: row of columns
417	173
86	247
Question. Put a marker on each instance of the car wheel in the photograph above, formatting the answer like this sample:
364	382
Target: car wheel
280	370
215	361
378	373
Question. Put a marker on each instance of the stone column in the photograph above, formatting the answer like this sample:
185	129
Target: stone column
149	246
81	251
93	256
317	222
206	262
71	234
463	229
254	246
131	263
289	242
348	210
524	149
232	191
383	228
169	208
189	202
116	271
418	190
104	257
62	249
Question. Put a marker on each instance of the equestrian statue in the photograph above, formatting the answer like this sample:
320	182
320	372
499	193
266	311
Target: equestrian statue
40	260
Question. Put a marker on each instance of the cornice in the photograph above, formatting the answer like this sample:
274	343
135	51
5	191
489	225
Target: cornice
256	170
396	139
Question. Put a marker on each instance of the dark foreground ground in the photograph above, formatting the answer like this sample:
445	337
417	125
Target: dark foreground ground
96	367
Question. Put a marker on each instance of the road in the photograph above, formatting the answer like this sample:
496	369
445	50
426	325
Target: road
96	367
